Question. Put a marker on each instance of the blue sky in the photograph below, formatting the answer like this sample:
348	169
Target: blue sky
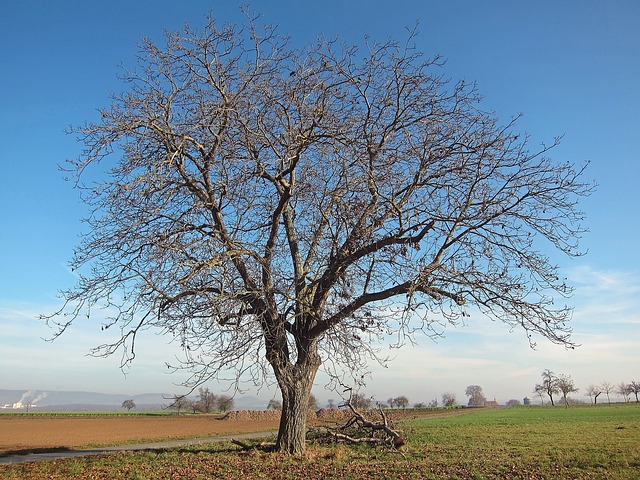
571	67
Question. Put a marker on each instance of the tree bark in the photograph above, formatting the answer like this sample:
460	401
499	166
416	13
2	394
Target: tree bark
295	385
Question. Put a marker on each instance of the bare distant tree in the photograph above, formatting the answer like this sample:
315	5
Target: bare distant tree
476	397
594	391
207	401
179	402
270	206
401	402
634	387
225	403
541	391
448	399
607	387
331	404
433	403
360	402
128	404
274	404
313	403
549	384
565	384
513	403
624	390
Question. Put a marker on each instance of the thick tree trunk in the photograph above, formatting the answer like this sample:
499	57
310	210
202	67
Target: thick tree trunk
295	386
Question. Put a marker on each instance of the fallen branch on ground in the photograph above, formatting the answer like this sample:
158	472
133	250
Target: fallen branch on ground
359	429
263	447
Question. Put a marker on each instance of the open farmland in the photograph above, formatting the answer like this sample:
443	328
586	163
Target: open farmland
23	433
527	443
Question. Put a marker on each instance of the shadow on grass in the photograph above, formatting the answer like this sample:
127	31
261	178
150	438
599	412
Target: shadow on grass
33	451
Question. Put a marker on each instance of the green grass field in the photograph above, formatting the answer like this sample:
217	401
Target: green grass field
584	442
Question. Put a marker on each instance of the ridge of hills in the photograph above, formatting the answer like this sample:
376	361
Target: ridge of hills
82	401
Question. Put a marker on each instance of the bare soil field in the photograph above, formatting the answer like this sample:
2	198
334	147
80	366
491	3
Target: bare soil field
39	433
32	433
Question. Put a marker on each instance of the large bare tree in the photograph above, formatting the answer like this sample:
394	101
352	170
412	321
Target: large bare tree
278	209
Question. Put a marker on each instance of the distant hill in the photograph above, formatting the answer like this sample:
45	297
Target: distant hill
57	401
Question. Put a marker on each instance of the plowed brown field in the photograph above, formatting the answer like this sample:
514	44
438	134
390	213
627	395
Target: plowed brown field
22	433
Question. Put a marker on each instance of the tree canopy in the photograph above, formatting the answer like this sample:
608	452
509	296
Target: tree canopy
276	208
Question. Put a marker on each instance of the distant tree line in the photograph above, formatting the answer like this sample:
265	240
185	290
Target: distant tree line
205	402
552	387
555	385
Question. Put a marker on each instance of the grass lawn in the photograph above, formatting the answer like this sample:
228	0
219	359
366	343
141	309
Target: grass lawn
587	442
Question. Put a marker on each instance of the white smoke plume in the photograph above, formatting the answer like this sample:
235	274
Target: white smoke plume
31	397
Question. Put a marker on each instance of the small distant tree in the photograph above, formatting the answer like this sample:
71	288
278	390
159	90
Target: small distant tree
549	384
401	402
128	404
313	403
541	391
179	402
594	391
331	404
476	397
419	405
607	387
513	403
565	384
448	399
624	390
360	402
634	387
225	403
274	404
207	401
433	403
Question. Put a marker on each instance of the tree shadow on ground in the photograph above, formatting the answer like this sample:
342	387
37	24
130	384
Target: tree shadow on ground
33	451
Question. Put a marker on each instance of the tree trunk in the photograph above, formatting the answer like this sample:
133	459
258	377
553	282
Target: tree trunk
295	385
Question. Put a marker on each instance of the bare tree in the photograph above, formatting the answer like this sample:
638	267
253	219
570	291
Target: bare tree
313	403
624	390
128	404
549	384
269	207
607	387
179	402
207	401
594	391
634	387
359	401
565	384
448	399
225	403
274	404
401	402
541	391
476	397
